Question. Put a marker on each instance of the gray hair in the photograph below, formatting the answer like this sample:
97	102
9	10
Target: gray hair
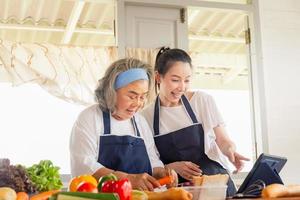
106	93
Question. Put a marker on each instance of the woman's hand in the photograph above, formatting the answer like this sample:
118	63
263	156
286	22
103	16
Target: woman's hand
236	159
143	181
171	172
161	172
186	169
228	148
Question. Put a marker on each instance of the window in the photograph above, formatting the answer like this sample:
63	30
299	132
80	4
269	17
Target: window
35	126
234	108
231	1
219	53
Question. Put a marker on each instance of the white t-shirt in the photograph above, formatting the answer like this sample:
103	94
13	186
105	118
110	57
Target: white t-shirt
85	137
207	113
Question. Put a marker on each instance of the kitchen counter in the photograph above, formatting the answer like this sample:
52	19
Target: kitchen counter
283	198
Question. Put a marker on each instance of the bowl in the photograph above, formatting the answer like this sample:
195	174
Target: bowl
207	192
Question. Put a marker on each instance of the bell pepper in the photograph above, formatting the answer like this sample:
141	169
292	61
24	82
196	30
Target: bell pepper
78	180
103	179
122	187
87	187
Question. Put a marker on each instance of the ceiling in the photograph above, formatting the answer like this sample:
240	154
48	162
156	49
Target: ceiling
92	23
216	37
216	31
58	21
217	40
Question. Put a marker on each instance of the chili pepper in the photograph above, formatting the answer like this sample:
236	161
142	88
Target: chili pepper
122	187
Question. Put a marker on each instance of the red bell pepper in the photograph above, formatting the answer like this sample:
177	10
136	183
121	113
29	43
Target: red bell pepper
121	187
87	187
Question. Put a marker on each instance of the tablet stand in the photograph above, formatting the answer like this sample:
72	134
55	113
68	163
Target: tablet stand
264	175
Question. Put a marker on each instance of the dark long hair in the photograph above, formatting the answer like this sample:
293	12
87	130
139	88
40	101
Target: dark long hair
165	59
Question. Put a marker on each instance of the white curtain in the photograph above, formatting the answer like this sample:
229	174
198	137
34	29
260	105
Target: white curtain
67	72
146	55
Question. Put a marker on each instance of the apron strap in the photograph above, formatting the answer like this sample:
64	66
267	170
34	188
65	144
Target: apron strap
156	116
136	130
106	124
189	109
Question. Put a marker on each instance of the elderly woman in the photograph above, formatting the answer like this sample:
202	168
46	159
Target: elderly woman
110	137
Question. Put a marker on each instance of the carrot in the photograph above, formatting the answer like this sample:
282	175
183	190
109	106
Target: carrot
22	196
165	180
44	195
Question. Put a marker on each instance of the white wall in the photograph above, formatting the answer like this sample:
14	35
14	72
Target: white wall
280	41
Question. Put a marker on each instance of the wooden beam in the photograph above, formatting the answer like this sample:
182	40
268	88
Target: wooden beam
196	3
74	17
221	22
219	60
102	16
192	16
23	6
87	16
30	27
232	74
234	24
37	17
207	22
54	29
94	31
217	39
6	9
97	1
216	82
55	11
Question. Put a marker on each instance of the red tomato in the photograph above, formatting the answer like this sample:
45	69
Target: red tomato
87	187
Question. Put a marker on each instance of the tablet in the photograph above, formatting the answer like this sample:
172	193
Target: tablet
264	164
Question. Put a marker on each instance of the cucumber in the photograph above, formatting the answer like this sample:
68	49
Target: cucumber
86	196
53	197
138	195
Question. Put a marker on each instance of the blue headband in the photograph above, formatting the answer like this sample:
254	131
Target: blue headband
130	76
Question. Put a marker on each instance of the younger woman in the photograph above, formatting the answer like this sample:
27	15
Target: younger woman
188	129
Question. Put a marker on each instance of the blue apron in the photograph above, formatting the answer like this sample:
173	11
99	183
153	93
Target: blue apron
187	144
123	153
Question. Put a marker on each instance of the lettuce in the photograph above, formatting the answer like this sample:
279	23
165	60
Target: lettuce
45	176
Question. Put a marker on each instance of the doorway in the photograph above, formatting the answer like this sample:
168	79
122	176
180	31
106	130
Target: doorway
219	47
